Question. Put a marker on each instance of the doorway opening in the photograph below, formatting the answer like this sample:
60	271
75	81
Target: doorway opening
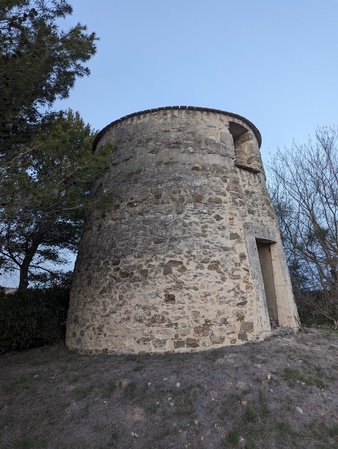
264	253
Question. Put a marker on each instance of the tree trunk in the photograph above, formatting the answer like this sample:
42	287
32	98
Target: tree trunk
24	267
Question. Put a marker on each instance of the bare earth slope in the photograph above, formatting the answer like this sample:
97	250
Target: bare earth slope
280	393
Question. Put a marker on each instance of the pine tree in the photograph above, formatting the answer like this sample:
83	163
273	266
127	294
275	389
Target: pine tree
45	195
46	160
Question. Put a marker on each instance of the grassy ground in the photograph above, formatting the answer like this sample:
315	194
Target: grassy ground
280	393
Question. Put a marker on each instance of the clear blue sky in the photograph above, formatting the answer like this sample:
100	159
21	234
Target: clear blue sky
274	62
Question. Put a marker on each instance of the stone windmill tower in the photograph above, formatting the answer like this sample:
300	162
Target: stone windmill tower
189	255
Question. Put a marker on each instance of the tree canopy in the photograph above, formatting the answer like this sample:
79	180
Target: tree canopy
39	63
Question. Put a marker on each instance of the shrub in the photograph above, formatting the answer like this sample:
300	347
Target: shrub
33	317
316	307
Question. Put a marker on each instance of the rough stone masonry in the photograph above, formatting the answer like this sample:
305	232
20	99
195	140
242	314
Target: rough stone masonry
188	256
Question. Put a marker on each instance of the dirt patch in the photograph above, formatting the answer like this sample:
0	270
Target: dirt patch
280	393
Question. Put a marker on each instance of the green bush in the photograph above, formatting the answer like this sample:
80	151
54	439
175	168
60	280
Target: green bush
34	317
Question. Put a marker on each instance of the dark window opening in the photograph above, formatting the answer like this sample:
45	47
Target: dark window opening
264	253
236	130
243	153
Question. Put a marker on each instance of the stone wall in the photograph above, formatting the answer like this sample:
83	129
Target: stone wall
189	255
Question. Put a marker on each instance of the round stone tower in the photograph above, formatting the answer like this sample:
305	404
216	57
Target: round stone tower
188	255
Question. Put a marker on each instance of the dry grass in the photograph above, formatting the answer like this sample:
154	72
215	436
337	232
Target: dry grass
279	393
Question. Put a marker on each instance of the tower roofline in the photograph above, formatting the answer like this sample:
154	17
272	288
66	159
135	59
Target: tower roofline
190	108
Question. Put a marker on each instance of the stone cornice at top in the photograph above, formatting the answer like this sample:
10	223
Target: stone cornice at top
190	108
